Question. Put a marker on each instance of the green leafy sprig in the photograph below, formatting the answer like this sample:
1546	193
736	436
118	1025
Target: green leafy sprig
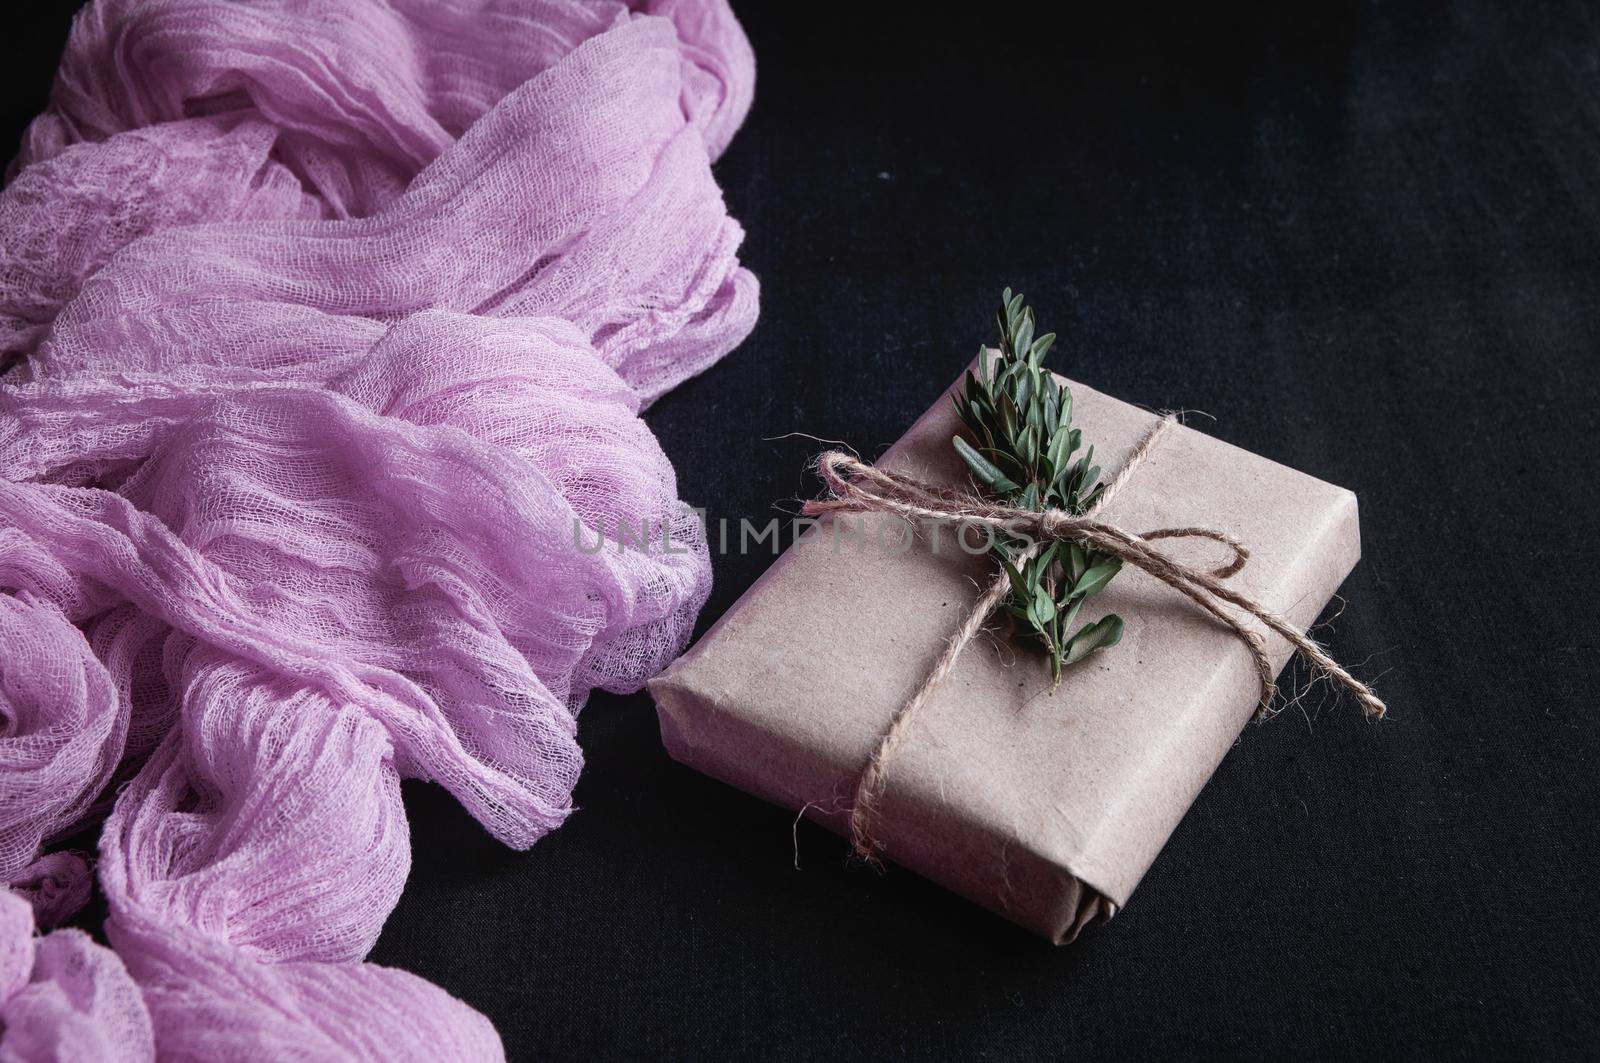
1022	451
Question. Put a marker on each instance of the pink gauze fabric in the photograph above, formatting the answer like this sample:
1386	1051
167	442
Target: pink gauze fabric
326	326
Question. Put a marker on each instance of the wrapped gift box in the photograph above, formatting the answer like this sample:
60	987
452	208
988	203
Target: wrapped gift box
1047	807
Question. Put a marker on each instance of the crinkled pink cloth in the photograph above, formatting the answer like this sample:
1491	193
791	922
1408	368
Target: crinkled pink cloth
328	324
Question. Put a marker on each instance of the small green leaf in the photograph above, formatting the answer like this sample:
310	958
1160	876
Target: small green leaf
1067	618
1060	450
1102	634
1008	416
1043	610
984	469
1077	562
1091	471
1096	578
1067	482
1018	586
1022	339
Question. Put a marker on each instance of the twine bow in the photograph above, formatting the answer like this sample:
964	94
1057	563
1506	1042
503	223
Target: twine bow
857	487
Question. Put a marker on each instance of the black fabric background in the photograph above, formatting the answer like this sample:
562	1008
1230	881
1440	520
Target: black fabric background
1362	237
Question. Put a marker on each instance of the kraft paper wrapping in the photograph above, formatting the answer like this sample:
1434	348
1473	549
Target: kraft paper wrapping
1046	808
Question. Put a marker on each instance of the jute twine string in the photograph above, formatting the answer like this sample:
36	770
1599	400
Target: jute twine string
857	487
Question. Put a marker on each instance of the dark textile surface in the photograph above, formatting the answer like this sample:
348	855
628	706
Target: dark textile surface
1362	237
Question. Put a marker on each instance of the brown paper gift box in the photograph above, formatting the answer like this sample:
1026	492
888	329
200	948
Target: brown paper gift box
1047	808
